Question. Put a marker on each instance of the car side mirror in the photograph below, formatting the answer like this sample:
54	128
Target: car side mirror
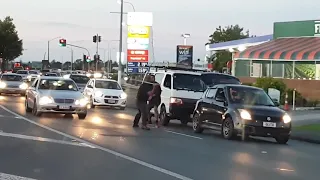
275	102
89	86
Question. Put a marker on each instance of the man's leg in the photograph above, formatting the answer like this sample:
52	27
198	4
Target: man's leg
137	117
144	114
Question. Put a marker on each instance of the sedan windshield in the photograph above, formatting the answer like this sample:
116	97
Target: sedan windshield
188	82
249	96
107	85
33	72
54	84
11	78
22	72
80	79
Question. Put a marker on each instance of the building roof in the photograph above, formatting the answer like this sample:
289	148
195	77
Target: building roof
300	48
247	42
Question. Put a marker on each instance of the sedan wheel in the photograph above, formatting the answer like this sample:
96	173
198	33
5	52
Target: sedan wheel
282	139
196	125
35	109
28	109
227	129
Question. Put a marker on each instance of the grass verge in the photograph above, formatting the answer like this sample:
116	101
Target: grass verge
309	128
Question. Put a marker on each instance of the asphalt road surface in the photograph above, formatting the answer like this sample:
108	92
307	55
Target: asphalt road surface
105	146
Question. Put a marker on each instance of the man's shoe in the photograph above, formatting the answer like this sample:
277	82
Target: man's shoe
135	125
145	128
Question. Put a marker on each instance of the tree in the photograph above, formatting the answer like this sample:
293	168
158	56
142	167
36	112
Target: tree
228	33
11	45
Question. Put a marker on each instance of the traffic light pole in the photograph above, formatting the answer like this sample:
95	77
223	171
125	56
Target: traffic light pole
120	45
97	53
80	48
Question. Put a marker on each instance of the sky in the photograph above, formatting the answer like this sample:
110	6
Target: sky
77	21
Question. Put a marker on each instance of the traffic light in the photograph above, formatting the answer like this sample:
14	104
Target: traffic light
63	42
88	58
99	38
94	39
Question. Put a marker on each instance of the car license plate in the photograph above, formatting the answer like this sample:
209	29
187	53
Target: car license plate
64	107
269	124
111	101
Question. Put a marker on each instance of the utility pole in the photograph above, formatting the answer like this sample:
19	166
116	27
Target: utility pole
120	45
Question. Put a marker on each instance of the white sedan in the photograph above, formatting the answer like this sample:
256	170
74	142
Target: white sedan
105	92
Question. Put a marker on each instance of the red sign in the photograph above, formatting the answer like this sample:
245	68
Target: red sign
138	56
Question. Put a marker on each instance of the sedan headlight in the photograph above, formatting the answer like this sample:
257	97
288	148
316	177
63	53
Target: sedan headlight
286	118
244	114
123	95
23	86
45	100
98	94
3	85
82	102
97	75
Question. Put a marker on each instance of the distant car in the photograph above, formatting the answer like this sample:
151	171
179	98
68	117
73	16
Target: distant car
239	109
23	73
105	92
11	83
80	79
55	95
52	74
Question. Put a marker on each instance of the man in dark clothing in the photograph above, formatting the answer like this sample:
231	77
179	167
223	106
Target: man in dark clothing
142	103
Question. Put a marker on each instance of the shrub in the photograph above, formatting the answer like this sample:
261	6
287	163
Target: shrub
267	82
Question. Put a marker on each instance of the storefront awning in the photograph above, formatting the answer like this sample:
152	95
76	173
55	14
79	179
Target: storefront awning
302	48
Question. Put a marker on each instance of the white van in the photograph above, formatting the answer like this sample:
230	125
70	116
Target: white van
181	89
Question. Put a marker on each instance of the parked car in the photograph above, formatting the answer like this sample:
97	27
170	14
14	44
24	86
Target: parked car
55	95
239	109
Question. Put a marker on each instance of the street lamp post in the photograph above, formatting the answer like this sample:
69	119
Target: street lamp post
126	2
71	58
185	36
120	44
49	46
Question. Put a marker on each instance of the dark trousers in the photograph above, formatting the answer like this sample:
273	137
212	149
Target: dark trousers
143	112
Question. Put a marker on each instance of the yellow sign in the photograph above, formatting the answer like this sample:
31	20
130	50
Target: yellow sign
138	31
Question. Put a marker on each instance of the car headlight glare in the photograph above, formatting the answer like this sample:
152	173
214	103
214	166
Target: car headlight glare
23	86
45	100
123	95
244	114
286	118
3	85
82	102
97	75
98	94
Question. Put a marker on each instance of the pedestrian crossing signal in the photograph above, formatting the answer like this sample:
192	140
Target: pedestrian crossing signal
63	42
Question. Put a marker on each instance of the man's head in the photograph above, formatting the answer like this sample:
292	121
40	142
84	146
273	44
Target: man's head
150	78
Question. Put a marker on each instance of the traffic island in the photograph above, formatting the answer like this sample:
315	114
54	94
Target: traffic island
308	133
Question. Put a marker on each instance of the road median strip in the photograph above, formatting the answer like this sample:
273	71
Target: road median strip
308	133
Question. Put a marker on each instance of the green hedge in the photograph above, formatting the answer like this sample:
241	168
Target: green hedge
267	82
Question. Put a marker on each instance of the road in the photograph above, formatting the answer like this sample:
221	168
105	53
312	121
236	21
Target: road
105	146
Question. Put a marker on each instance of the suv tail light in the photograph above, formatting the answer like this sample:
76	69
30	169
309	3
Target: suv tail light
175	101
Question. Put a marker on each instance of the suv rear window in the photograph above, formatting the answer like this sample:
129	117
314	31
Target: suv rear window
211	79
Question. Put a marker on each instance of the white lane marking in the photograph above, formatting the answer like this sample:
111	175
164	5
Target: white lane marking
183	134
4	176
34	138
145	164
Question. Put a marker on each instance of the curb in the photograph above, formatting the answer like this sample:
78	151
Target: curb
309	140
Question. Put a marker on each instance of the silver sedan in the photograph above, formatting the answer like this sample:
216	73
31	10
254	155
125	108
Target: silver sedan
55	95
11	83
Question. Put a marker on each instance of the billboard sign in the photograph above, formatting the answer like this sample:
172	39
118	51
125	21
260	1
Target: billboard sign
138	40
140	19
184	56
138	32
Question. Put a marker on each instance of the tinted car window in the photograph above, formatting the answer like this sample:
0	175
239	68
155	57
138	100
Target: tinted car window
107	85
11	78
51	74
214	79
249	96
22	72
53	84
80	79
33	72
189	82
